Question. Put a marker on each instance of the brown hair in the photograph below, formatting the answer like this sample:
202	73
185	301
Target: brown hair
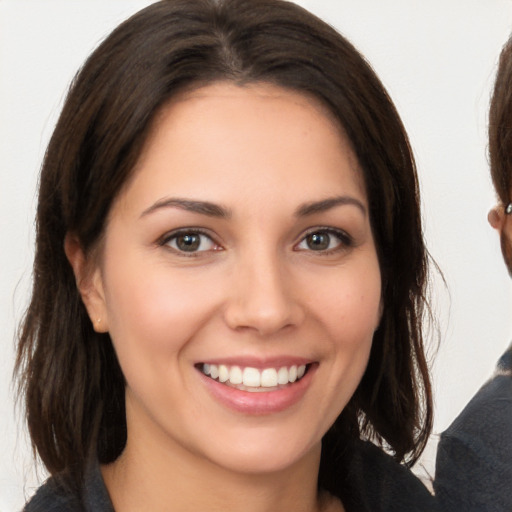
70	376
500	126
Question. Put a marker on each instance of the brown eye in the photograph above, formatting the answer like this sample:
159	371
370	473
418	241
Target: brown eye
190	241
318	241
324	240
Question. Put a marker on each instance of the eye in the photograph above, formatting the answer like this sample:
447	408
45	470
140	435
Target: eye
324	240
190	242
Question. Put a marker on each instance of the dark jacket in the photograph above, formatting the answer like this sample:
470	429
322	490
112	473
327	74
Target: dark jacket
474	455
56	496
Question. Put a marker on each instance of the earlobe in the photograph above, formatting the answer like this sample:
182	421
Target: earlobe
495	218
89	282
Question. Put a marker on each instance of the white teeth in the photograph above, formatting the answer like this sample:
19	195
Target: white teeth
282	376
253	378
214	371
235	375
223	373
269	378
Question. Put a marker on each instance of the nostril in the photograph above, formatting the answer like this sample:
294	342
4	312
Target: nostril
265	320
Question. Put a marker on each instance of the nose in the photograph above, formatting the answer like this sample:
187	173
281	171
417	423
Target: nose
263	297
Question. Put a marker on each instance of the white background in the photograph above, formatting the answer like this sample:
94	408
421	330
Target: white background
436	58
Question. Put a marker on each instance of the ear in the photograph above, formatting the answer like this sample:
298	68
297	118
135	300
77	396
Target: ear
496	218
89	282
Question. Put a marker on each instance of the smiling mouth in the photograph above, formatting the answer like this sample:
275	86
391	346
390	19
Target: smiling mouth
254	379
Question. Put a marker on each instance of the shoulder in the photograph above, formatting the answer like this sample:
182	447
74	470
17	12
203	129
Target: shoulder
486	420
504	366
380	484
473	467
56	495
52	497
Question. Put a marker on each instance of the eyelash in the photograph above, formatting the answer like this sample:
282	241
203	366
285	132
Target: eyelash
174	235
345	240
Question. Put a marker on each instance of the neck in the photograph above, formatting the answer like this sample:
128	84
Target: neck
155	473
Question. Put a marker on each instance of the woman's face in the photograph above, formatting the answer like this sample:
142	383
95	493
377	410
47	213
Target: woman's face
239	279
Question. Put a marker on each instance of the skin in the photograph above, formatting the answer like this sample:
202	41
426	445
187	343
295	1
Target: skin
256	290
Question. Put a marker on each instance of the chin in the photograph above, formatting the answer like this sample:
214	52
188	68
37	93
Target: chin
265	456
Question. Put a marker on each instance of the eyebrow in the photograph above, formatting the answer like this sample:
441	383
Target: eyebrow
215	210
327	204
201	207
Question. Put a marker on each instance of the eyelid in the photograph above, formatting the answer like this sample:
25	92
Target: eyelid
167	237
346	240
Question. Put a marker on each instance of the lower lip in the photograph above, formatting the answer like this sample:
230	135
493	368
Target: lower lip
261	402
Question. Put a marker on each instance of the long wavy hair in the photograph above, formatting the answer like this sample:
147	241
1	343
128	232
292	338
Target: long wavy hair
69	374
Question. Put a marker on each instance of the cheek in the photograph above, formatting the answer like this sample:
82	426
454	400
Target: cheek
348	308
158	310
351	305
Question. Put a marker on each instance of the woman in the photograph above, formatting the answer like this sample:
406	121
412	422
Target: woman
230	274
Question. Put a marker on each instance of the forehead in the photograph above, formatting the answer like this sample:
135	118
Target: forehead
259	134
